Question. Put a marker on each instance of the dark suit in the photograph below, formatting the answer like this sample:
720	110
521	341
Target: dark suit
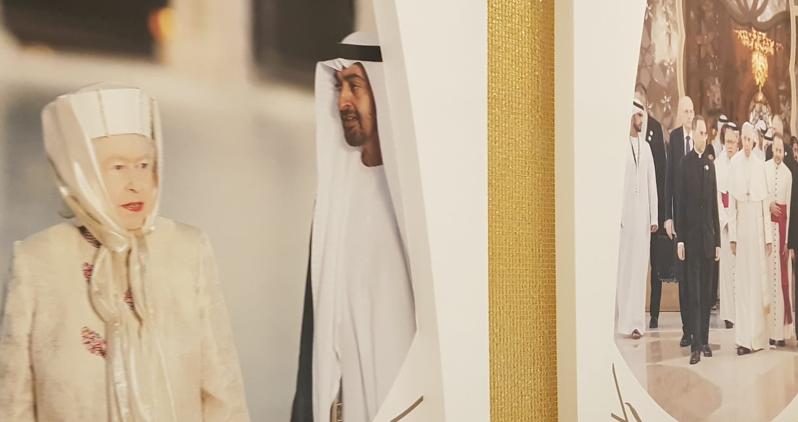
656	142
698	227
792	230
710	151
672	174
302	410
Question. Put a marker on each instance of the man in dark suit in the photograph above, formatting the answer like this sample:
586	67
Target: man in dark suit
681	143
652	132
792	229
698	223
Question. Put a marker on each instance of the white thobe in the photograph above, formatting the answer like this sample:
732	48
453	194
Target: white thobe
718	146
375	318
750	229
779	191
639	213
759	153
726	264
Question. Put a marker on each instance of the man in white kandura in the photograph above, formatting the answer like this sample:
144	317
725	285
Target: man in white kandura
638	221
364	309
759	139
729	137
751	240
779	180
717	143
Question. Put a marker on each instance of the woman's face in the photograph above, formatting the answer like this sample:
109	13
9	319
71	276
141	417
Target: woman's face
127	165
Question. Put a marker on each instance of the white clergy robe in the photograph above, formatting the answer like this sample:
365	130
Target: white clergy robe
780	321
726	265
639	213
750	229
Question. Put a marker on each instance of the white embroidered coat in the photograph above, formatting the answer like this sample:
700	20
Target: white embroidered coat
52	349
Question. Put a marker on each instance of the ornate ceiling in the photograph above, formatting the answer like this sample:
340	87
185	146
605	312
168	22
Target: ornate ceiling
761	14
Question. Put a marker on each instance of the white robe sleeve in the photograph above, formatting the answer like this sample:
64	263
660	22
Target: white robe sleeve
766	221
223	398
768	241
17	399
653	200
723	217
732	219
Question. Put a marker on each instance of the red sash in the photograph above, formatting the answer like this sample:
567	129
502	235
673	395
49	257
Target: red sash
781	220
725	197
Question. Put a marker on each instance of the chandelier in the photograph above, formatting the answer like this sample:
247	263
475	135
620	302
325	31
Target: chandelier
761	47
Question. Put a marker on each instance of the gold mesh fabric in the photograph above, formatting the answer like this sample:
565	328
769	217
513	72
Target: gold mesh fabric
521	240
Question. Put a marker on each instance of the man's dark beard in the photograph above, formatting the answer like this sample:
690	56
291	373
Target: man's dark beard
353	135
349	113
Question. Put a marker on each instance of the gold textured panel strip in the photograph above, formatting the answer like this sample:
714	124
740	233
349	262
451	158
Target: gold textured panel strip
521	211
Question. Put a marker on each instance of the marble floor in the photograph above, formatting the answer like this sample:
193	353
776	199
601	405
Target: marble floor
723	388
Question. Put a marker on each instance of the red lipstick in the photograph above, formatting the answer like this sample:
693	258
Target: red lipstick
134	206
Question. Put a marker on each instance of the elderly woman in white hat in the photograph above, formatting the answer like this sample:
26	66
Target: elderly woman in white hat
117	315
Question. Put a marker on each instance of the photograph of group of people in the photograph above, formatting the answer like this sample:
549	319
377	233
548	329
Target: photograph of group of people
726	204
705	287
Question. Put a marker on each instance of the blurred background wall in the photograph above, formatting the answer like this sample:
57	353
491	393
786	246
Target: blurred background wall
234	80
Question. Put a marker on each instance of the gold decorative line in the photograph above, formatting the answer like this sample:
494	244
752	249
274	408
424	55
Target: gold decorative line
521	211
625	417
409	409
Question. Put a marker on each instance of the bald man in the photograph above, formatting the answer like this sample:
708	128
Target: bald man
681	143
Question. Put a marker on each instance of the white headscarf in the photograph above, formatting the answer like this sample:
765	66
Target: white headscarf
138	388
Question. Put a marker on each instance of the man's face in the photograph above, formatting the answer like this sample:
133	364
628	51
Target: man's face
356	105
795	151
687	113
700	134
731	142
778	150
748	142
637	122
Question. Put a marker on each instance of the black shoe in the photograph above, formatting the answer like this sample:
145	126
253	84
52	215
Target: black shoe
695	357
781	343
772	342
654	322
743	351
707	351
729	325
686	341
